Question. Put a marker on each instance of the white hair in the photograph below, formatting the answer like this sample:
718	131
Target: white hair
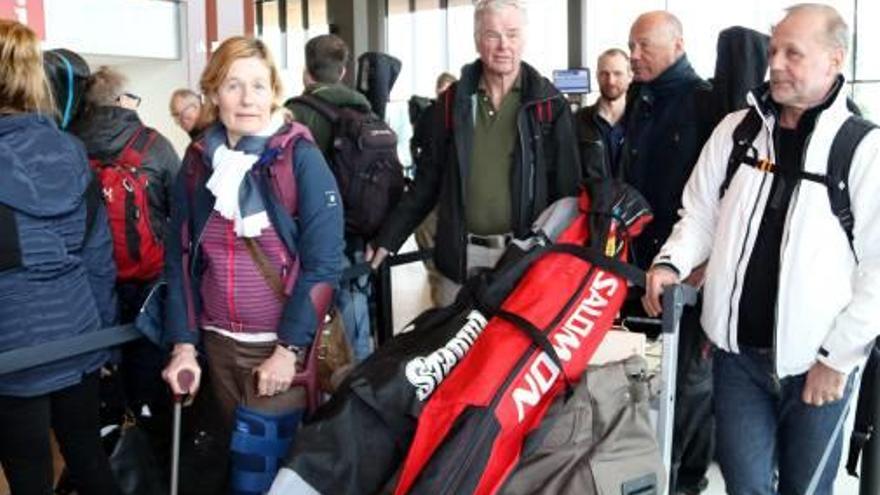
483	6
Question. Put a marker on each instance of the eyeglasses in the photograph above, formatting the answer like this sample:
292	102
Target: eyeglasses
136	100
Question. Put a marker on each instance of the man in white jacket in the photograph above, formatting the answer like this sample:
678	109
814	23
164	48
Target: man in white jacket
791	307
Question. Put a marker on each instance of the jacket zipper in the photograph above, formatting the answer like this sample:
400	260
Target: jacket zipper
230	273
742	251
785	237
528	185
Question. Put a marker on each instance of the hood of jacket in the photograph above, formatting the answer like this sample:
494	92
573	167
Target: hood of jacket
44	170
106	129
340	95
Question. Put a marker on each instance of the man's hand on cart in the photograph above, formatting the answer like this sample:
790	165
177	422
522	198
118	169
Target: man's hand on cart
658	277
375	256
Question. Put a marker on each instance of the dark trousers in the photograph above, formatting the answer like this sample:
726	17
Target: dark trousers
142	361
769	440
25	451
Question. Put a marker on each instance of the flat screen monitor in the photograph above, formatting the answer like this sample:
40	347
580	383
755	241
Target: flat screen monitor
572	81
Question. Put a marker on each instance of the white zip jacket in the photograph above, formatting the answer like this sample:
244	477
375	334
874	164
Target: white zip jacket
828	306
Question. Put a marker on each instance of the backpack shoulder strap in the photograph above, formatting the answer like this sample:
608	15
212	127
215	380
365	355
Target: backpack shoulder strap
283	179
10	249
327	110
840	159
278	186
193	172
743	136
133	152
143	139
93	198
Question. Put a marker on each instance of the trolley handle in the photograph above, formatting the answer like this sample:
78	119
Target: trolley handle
675	298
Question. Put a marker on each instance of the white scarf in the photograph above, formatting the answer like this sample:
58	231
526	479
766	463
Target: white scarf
229	170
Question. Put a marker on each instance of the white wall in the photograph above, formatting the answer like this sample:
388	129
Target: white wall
154	81
133	28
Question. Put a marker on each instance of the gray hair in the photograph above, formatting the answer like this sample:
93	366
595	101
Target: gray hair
483	6
105	86
836	31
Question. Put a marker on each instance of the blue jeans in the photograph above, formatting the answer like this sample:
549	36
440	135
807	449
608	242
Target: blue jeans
768	440
352	301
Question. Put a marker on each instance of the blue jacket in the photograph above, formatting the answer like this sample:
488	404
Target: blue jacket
64	284
315	236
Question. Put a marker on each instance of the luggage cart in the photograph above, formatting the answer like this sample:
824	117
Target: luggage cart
675	298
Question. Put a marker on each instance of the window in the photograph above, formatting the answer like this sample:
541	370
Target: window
303	19
867	37
607	26
867	97
547	36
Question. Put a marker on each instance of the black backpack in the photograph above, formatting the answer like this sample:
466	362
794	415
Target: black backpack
836	178
363	157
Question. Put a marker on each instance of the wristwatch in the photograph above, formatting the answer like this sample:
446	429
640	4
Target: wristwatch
298	351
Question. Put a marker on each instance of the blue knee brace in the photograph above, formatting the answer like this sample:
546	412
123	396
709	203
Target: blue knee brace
259	443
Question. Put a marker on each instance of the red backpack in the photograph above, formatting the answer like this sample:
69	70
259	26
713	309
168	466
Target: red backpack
137	250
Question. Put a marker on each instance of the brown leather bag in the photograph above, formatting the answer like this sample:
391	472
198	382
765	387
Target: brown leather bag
335	356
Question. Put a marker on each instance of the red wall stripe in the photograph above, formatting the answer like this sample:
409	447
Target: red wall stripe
249	17
210	24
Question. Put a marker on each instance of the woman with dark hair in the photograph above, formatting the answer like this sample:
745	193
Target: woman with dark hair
56	281
253	255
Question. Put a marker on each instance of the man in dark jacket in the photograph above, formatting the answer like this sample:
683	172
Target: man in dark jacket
600	127
326	56
668	118
501	124
107	124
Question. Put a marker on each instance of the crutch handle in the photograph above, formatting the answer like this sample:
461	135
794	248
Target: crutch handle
185	379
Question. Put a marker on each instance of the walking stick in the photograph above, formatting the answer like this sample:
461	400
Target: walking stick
185	380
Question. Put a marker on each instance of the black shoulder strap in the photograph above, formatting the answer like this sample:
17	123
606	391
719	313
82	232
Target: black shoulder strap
504	282
10	249
840	159
743	137
866	411
143	139
539	337
327	110
92	197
